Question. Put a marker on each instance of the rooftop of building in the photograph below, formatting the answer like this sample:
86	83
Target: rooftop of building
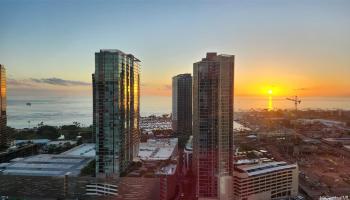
262	168
325	122
157	149
85	150
212	56
71	162
34	141
186	75
239	127
17	148
61	142
118	51
252	161
45	165
156	157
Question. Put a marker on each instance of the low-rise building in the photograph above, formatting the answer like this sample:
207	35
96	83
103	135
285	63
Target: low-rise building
47	176
19	151
159	159
45	165
272	180
153	174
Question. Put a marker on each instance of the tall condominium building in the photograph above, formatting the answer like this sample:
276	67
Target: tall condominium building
116	111
273	180
182	104
3	117
213	80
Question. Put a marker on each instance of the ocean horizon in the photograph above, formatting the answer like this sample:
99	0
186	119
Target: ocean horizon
62	110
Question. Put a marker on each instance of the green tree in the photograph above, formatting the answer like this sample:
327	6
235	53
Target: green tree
70	132
89	170
49	132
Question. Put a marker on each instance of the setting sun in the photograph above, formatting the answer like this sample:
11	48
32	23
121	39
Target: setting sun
269	90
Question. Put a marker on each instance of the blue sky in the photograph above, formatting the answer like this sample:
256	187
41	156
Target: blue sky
287	44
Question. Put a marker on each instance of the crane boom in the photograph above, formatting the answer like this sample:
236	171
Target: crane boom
296	101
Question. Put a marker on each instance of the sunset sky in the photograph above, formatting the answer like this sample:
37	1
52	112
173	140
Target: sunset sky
292	47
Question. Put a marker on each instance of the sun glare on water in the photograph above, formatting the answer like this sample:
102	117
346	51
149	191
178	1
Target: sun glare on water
270	107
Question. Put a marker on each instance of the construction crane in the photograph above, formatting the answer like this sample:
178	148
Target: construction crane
296	101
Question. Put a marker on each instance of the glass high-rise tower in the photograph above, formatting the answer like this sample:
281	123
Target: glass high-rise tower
182	104
116	111
3	117
213	86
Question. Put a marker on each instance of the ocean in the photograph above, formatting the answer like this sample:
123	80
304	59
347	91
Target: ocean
61	110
